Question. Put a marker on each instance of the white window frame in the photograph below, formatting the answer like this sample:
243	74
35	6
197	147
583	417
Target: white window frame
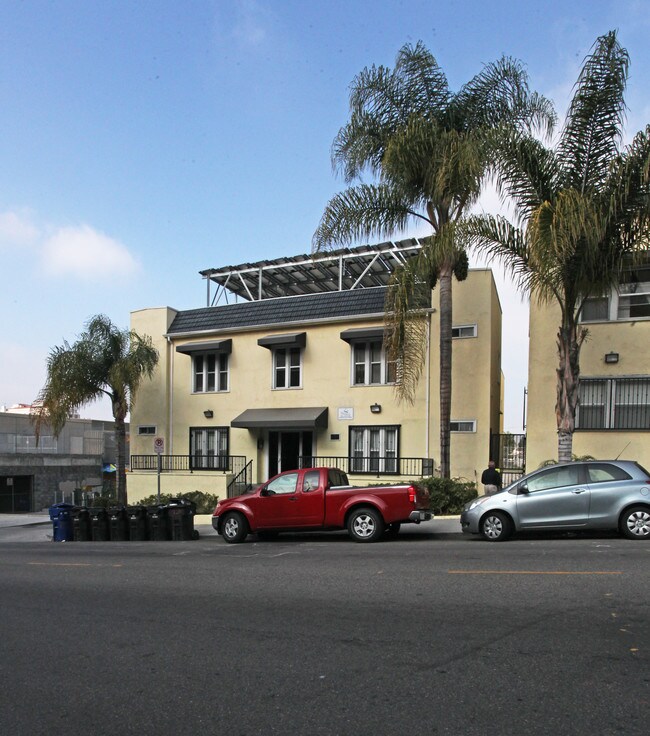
368	360
462	332
220	374
209	448
469	426
283	366
374	449
612	393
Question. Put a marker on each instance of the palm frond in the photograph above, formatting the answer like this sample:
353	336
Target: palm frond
592	132
500	93
364	212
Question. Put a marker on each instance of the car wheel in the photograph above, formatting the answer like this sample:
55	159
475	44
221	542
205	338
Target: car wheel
234	528
635	523
365	525
496	527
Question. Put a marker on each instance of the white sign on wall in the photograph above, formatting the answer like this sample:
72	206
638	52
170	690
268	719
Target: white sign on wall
345	412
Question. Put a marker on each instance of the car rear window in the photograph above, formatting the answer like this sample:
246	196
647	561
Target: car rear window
603	472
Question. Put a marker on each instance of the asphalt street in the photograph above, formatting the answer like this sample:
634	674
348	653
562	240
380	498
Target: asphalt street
432	633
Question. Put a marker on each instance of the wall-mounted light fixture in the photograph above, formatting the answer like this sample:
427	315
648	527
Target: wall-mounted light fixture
208	413
375	408
611	357
260	443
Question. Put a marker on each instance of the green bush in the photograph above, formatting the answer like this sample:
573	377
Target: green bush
205	502
448	495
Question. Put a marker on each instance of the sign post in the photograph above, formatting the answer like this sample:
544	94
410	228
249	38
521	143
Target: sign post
159	448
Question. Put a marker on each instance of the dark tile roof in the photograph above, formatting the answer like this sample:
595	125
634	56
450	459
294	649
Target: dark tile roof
283	310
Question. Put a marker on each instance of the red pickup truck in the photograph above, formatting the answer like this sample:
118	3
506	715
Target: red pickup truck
320	499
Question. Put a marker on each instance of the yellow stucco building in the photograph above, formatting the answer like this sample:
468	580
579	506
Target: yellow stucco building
294	373
613	417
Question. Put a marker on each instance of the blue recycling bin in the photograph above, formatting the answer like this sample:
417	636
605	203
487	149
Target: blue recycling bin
62	524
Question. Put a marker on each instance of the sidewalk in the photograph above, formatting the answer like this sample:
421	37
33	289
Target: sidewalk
38	517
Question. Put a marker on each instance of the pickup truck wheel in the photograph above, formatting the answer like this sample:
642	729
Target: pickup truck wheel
234	528
365	525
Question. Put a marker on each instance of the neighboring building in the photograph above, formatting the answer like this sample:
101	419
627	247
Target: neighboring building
613	417
294	373
34	475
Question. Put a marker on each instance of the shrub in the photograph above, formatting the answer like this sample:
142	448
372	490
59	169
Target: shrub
448	495
205	502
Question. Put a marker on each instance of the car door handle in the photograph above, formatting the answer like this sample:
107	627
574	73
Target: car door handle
579	490
292	498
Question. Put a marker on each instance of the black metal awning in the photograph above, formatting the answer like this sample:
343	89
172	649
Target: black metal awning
294	340
300	418
214	346
363	333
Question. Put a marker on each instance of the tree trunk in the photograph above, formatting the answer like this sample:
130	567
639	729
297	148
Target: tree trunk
120	441
445	368
569	341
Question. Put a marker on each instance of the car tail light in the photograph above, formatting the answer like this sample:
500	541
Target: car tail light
412	494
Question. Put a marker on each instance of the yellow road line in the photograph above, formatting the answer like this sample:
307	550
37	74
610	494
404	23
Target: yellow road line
531	572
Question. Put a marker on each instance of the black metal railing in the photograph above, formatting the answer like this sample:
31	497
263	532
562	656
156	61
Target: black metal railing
407	467
170	463
242	482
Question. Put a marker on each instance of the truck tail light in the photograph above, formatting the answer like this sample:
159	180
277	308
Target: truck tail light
412	494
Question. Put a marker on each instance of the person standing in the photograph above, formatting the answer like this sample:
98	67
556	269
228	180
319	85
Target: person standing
491	479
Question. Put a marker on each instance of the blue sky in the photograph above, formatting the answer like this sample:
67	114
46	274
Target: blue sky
143	141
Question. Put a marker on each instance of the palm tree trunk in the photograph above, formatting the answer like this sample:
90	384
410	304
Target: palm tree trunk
445	368
569	341
120	438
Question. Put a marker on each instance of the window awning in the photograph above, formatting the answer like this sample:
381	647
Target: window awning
363	333
302	418
215	346
295	340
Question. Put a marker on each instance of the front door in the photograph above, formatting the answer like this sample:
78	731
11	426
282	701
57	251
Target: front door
556	497
286	449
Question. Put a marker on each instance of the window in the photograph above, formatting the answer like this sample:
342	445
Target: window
311	481
614	403
210	372
604	473
568	475
374	449
629	302
462	425
147	430
464	331
283	484
287	368
370	365
595	309
209	448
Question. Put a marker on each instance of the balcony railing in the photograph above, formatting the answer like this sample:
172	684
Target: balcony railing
405	467
172	463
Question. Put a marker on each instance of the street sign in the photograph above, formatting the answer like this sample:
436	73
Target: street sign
159	445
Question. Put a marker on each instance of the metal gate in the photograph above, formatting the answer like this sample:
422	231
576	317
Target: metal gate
509	454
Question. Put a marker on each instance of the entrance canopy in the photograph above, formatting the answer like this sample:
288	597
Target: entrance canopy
303	418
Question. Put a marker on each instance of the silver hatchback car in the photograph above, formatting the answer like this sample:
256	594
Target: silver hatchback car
603	494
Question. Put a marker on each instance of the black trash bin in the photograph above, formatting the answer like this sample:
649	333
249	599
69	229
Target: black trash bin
158	523
99	524
137	518
181	516
118	524
81	525
61	516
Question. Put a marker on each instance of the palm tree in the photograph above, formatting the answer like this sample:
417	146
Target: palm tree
426	147
583	211
105	361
